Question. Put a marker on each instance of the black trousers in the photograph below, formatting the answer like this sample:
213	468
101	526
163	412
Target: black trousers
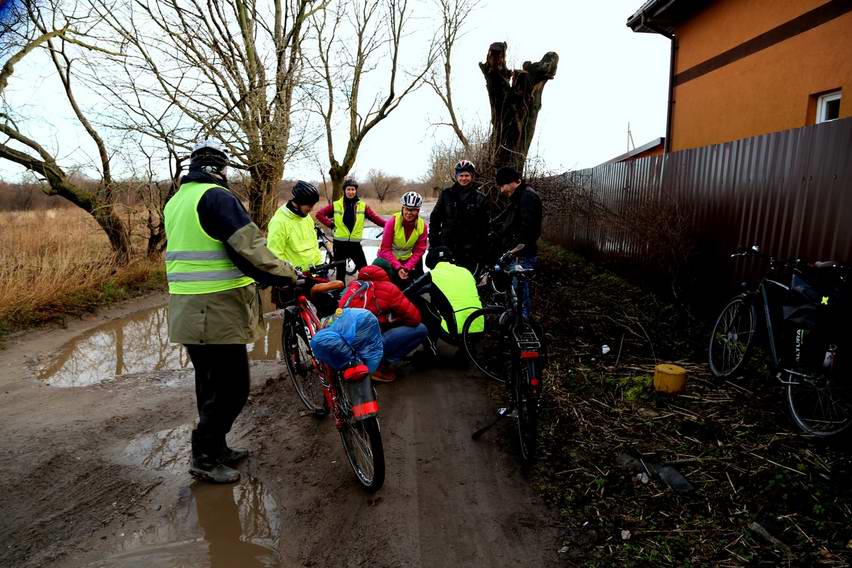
221	389
344	250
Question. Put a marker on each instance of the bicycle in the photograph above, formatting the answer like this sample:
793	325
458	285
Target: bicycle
509	350
323	390
803	326
327	247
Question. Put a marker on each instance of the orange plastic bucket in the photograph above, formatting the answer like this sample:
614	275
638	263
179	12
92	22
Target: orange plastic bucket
669	378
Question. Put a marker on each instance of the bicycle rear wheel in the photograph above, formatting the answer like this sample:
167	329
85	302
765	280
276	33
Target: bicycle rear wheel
362	442
488	349
732	337
526	402
303	368
821	405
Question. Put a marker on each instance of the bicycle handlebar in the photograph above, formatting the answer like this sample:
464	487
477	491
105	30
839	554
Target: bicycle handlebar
754	251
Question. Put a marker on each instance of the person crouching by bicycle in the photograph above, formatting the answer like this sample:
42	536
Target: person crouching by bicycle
399	319
292	236
347	222
459	220
519	223
405	238
214	256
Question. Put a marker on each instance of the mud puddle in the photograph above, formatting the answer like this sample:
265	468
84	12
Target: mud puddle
138	343
218	526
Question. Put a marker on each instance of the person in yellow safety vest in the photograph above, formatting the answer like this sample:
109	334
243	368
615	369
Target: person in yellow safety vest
405	240
292	233
214	256
347	221
457	296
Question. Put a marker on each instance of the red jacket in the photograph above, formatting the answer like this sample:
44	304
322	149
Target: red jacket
382	298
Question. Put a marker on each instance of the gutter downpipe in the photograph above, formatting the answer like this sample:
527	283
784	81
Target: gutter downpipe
673	39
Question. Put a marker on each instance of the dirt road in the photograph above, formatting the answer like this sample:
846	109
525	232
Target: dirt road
96	475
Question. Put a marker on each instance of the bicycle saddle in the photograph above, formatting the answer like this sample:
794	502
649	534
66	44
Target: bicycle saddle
826	264
518	269
329	286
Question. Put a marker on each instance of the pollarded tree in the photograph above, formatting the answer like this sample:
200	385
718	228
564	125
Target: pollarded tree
515	99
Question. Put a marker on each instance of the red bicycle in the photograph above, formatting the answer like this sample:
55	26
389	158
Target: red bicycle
322	389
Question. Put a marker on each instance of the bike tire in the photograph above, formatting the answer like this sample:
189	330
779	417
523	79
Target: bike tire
488	349
362	442
526	403
732	337
303	368
820	405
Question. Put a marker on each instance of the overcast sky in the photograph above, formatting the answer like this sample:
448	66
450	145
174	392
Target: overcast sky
608	76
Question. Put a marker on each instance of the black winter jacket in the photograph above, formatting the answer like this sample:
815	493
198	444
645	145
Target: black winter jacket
459	221
520	222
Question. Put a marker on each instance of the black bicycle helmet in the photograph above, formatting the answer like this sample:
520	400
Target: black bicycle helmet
305	194
436	255
350	183
208	155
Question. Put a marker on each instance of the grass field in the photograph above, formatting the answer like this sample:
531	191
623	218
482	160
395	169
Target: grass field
58	262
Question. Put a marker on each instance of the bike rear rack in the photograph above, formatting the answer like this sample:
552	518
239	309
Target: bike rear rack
526	338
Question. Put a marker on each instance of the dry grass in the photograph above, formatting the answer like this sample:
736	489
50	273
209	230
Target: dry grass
56	262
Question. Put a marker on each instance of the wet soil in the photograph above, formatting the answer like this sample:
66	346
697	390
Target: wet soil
95	475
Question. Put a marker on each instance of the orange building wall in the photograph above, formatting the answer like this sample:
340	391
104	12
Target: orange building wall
763	92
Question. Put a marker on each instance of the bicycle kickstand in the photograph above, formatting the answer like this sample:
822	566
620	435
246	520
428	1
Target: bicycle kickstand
501	413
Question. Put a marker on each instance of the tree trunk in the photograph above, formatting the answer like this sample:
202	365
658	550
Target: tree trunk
116	231
263	191
515	98
337	174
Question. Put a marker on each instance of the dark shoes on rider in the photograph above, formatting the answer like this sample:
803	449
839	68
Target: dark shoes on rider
210	459
231	456
212	472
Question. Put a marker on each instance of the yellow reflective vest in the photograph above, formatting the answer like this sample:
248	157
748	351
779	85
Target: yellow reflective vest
403	248
457	284
341	231
196	263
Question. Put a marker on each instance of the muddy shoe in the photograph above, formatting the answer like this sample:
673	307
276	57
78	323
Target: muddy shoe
232	455
214	474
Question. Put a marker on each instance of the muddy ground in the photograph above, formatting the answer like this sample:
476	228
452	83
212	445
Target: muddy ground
96	475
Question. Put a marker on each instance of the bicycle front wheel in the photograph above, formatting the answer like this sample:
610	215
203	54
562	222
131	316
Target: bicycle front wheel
526	402
303	368
362	442
732	337
484	341
820	405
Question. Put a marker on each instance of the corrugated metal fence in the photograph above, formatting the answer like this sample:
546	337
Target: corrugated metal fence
789	192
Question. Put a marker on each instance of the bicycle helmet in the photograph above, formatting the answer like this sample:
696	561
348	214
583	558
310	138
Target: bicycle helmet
350	183
304	193
436	255
412	200
465	166
209	155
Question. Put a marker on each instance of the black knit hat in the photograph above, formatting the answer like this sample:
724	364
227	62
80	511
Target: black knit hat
506	175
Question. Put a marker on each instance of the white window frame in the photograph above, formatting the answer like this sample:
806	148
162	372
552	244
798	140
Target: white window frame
822	105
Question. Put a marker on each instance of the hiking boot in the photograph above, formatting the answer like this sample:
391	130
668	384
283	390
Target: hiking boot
213	473
230	456
384	374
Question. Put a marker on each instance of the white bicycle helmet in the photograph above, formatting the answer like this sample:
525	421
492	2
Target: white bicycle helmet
412	199
210	155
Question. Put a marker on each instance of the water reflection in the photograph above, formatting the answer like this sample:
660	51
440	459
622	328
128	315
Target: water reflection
164	450
138	343
218	526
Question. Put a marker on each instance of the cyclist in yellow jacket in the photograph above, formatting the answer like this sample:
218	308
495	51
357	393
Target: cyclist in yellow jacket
292	233
214	256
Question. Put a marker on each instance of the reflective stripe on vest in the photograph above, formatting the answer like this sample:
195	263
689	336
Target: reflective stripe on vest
403	248
196	263
458	285
341	231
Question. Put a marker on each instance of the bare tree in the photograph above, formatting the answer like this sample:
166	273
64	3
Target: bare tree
354	38
453	15
383	184
224	68
515	99
61	34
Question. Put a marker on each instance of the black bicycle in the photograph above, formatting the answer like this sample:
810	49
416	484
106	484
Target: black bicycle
327	247
804	311
505	345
